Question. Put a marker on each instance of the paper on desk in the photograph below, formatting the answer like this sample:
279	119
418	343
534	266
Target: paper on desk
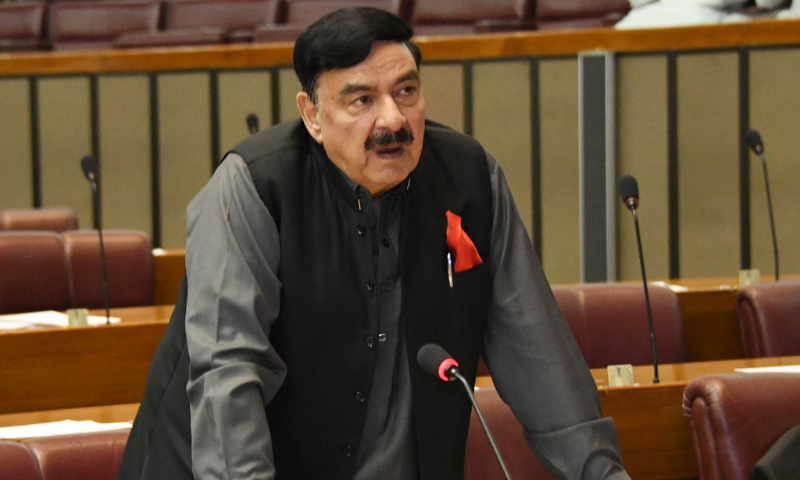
674	288
775	369
64	427
48	317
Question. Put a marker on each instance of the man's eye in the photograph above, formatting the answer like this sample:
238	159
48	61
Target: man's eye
409	90
363	100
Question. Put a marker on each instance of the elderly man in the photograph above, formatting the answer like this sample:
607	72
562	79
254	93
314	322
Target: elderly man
321	256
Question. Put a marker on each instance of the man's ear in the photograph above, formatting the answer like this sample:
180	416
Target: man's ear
309	111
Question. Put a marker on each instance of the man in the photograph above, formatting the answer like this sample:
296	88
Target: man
321	256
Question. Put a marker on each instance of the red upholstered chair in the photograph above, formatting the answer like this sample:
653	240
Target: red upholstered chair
558	14
769	318
21	25
17	462
612	326
54	219
480	462
99	24
86	456
301	13
130	268
34	273
735	418
437	17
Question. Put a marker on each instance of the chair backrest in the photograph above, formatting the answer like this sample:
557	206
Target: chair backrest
552	14
96	24
17	462
430	17
226	14
21	25
735	418
86	456
129	259
769	318
480	462
54	219
34	272
612	326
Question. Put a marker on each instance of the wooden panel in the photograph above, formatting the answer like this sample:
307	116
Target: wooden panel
125	163
65	132
708	173
558	90
642	152
289	86
168	269
15	143
502	123
185	140
444	94
774	103
240	94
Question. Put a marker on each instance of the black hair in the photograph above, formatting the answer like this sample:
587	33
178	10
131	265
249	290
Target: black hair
344	38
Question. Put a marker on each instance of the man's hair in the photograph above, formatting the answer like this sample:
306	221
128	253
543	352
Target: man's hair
344	38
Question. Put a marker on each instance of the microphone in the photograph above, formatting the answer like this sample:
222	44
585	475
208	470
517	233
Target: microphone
629	191
753	141
252	123
90	167
433	359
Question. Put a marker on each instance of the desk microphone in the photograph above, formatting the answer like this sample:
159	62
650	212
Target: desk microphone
90	167
435	360
753	141
252	123
629	191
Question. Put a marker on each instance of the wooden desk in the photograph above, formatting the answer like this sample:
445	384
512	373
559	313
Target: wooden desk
653	433
57	368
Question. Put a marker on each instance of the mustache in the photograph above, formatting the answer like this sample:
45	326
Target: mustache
383	139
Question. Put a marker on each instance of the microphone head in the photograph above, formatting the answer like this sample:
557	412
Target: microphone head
753	140
435	360
629	191
89	165
252	123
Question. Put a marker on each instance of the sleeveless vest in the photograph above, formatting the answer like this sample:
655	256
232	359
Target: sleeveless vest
329	303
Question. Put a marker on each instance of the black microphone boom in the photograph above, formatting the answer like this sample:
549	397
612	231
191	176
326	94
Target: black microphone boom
433	359
753	141
90	167
629	191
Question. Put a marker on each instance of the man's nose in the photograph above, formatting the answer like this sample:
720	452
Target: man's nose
389	115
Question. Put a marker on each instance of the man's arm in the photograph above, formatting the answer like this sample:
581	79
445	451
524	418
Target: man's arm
232	260
536	365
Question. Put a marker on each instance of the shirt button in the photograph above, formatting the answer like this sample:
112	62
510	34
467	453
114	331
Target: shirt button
385	288
386	243
370	341
360	397
361	229
370	286
348	450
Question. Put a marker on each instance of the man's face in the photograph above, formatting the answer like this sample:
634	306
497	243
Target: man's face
370	117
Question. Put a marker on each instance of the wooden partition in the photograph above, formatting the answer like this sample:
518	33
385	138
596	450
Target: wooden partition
159	120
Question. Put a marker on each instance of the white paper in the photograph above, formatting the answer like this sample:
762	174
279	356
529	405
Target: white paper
50	317
775	369
64	427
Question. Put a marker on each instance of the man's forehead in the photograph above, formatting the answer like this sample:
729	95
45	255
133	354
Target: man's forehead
386	56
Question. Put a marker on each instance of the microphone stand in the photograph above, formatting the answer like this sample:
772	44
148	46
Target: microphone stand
98	221
646	295
771	219
453	373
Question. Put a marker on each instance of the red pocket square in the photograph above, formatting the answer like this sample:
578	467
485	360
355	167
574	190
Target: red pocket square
461	245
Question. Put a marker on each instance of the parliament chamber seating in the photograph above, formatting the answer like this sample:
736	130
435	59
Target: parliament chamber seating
42	270
21	25
437	17
564	14
129	260
301	13
737	418
99	24
609	323
769	318
53	219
